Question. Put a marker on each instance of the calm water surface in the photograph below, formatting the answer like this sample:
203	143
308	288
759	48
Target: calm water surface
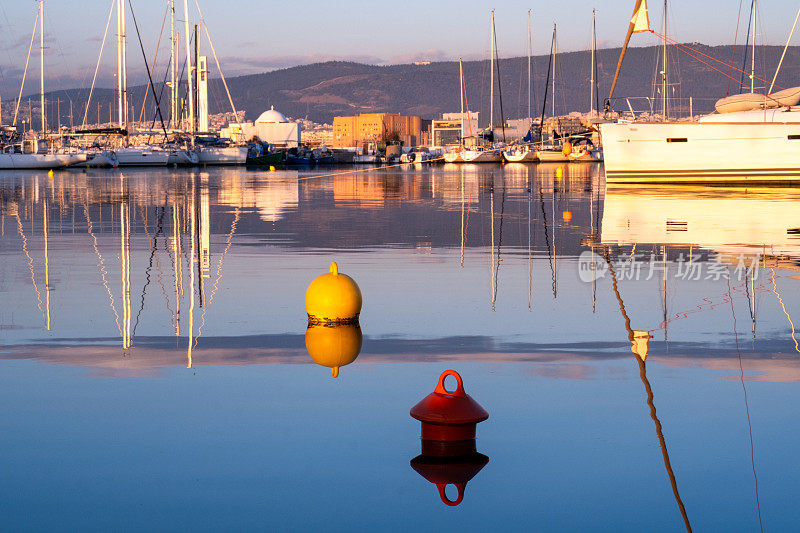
635	348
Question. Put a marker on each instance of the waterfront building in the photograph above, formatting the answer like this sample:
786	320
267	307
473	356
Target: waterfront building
376	127
271	127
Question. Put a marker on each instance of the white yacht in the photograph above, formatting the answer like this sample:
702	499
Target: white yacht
222	155
33	153
749	146
183	157
142	156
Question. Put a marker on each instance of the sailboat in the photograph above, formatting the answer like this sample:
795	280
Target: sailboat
524	153
752	138
477	154
551	153
145	155
34	152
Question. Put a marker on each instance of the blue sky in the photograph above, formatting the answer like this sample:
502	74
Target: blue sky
259	36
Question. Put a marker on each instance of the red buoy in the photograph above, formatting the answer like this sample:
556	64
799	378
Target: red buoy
449	416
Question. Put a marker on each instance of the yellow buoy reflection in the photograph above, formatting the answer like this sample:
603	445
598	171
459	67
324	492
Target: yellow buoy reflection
333	346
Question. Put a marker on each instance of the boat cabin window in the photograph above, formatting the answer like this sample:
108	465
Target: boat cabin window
677	139
17	148
794	137
28	147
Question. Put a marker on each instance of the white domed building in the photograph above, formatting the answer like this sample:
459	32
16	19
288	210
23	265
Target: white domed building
271	126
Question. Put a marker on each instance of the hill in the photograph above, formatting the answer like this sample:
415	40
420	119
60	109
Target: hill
323	90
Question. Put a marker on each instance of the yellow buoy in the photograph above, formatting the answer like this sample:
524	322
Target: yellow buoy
272	169
50	173
567	148
333	298
333	346
559	172
567	215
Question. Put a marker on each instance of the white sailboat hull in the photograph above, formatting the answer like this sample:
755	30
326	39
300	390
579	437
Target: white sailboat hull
183	157
137	157
222	155
704	151
520	156
41	161
551	156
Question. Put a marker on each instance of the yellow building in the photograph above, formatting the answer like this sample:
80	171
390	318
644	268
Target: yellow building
375	127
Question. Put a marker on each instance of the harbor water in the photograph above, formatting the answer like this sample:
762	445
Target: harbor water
635	349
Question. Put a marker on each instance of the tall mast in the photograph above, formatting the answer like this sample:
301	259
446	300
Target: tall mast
491	75
530	70
41	62
461	92
554	70
591	67
124	41
119	64
189	66
173	54
664	110
753	54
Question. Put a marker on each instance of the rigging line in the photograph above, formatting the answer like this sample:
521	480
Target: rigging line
746	403
161	95
735	38
547	239
234	224
499	240
650	396
155	62
25	72
97	67
30	262
785	312
147	66
546	87
153	249
101	264
783	55
500	95
682	46
746	45
214	52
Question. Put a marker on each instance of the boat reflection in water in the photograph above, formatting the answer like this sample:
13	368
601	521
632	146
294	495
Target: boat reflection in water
763	222
333	346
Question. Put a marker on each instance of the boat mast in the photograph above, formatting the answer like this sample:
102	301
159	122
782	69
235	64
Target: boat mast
189	67
753	54
554	69
119	64
173	39
491	76
530	69
461	92
664	110
124	41
41	63
591	74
